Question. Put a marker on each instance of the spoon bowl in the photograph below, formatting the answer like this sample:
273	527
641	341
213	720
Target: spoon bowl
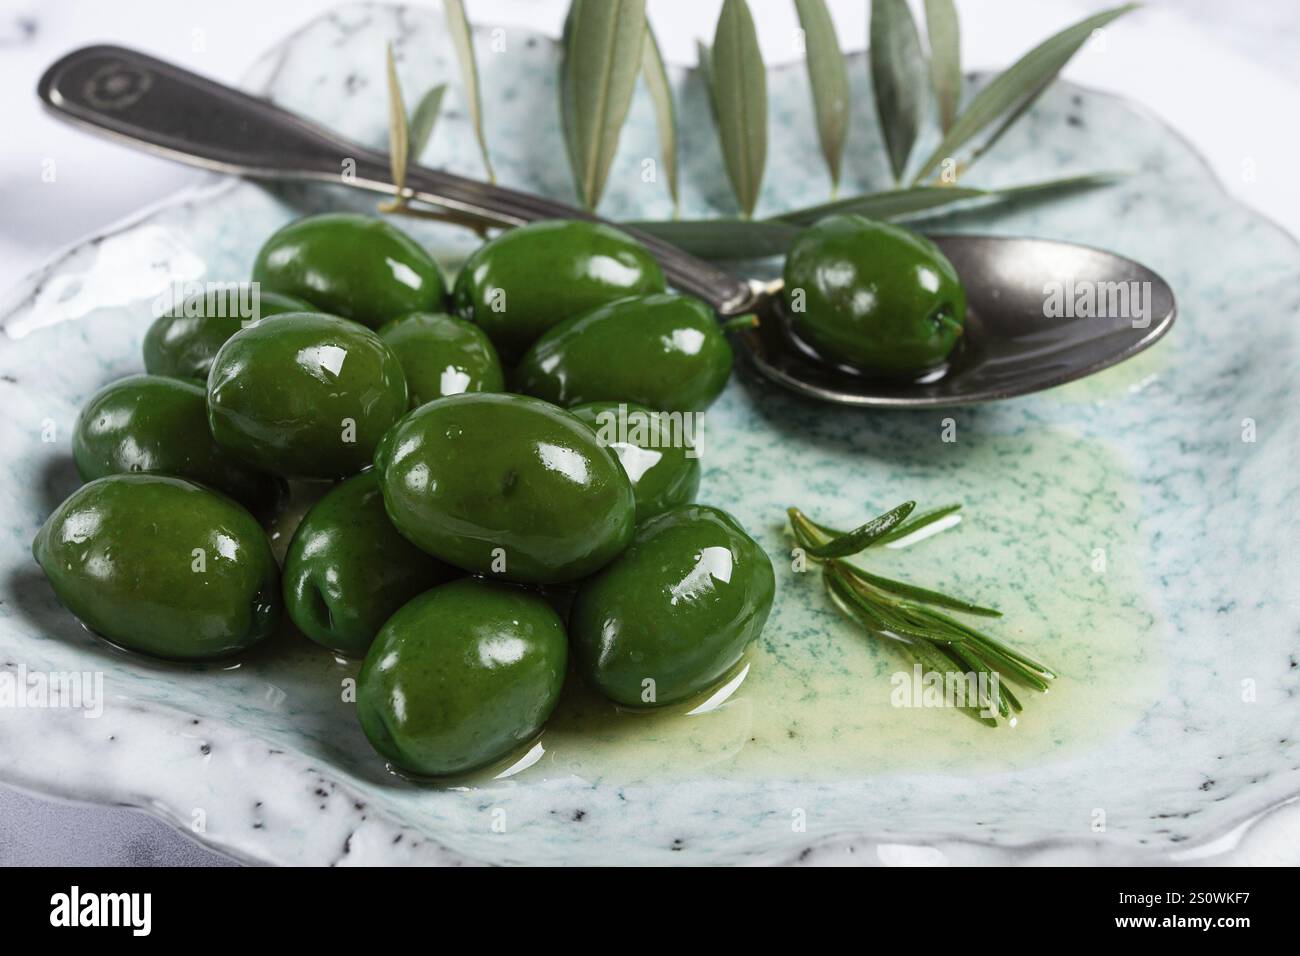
1040	313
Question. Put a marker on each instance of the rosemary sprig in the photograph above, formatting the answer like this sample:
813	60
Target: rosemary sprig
914	616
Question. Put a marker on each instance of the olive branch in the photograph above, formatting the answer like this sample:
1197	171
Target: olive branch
608	48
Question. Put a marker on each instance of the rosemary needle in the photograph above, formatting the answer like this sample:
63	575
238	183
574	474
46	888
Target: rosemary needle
860	538
925	596
916	522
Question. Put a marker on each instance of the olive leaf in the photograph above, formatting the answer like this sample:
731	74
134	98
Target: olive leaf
423	119
721	239
828	75
1013	91
602	56
759	238
1055	187
398	151
463	39
566	98
661	95
897	203
738	80
941	26
705	66
898	75
885	205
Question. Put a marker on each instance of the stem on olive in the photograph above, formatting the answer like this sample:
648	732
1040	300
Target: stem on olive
740	323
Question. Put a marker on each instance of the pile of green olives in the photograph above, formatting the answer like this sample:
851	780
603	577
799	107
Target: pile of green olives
485	454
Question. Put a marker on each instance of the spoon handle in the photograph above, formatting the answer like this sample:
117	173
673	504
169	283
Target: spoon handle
164	109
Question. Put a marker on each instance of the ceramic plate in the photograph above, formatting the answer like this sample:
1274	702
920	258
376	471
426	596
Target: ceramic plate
1138	529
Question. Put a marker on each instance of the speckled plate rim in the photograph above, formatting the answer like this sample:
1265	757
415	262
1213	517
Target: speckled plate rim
864	847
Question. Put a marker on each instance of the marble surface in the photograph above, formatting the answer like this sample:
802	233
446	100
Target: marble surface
274	772
39	832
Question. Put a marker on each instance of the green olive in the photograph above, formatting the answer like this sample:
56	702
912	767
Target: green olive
182	343
666	352
159	425
357	267
304	395
873	296
162	566
528	279
506	485
674	613
653	448
442	355
461	676
347	569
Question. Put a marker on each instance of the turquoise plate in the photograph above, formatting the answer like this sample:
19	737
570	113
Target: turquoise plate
1138	528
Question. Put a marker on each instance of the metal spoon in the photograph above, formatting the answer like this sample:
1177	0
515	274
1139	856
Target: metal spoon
1010	347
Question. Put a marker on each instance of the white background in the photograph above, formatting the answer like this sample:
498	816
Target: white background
1227	74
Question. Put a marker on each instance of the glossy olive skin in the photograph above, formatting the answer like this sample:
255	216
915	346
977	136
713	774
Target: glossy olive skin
876	297
158	425
664	470
528	279
304	395
678	608
461	676
358	267
347	569
666	352
483	479
162	566
183	345
443	355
